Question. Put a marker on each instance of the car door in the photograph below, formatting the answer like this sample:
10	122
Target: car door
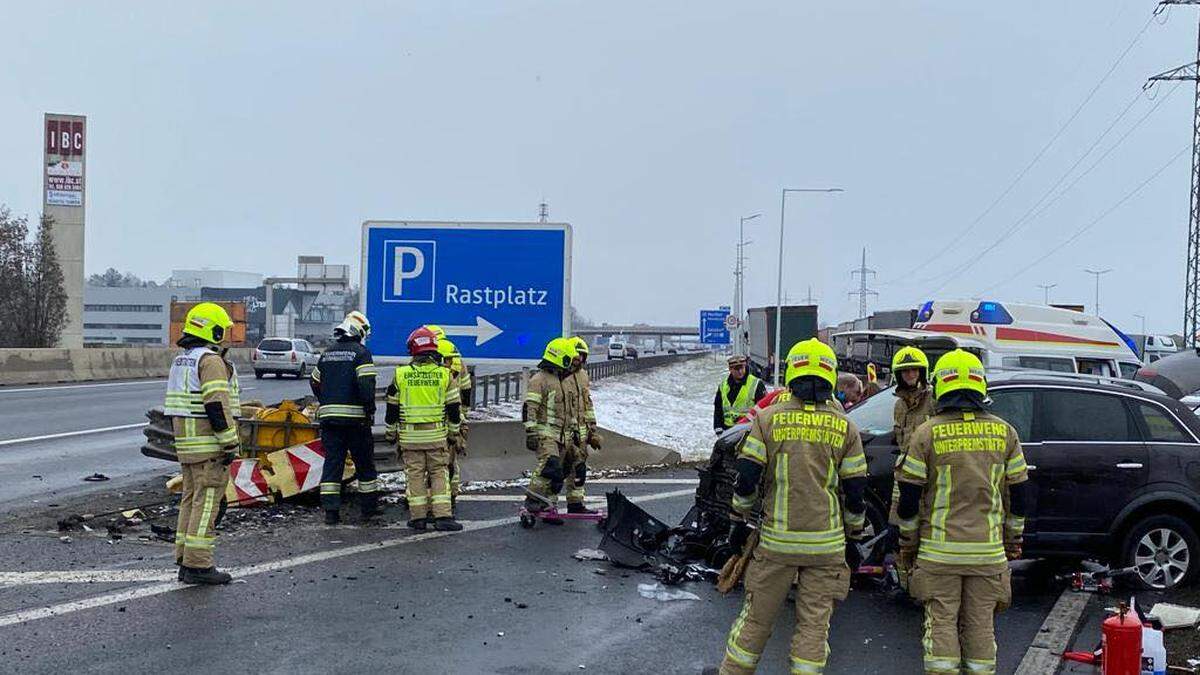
1090	459
1016	406
310	355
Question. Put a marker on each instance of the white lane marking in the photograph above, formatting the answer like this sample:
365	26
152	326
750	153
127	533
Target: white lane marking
53	388
643	481
1045	652
69	434
513	498
83	577
72	606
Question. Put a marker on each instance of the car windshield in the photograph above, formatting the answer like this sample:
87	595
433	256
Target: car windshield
874	415
275	345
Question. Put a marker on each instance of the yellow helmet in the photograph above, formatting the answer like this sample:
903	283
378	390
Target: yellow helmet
958	370
447	349
910	357
207	321
812	357
437	330
560	352
581	345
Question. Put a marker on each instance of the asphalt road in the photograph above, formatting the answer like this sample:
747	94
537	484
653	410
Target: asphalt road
53	436
493	599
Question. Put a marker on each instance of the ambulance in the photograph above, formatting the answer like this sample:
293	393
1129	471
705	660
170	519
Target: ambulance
1003	335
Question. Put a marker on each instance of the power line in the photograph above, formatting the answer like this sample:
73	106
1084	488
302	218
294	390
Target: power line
1045	148
1081	231
1047	200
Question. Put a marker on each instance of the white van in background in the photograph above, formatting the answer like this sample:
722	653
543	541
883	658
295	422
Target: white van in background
1154	347
616	350
1004	335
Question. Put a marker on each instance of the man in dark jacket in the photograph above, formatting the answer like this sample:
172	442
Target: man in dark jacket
736	395
344	383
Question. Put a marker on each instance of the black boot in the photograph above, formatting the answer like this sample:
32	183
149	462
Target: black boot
179	564
419	524
210	576
369	506
573	507
332	518
446	524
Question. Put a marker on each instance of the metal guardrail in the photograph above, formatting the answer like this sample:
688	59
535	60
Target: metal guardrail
501	387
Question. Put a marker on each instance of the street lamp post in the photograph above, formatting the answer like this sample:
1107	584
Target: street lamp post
739	288
1098	274
779	282
1046	288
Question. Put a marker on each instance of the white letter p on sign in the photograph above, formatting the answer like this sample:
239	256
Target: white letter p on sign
403	272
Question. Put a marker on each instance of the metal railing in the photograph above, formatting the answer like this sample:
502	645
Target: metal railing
498	388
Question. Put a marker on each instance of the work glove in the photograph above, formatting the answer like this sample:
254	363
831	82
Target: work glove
717	431
391	436
1013	549
595	440
453	443
228	457
531	442
854	558
462	444
738	534
907	557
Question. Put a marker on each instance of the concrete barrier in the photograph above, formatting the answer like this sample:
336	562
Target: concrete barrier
50	366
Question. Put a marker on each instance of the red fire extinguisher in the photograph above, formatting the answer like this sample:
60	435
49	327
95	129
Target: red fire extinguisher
1122	643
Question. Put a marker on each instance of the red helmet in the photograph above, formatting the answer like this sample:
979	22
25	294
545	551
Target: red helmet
422	341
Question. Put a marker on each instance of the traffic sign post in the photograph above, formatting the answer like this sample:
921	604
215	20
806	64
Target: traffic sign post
713	330
501	291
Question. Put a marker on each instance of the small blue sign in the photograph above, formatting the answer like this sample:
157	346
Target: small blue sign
712	326
501	291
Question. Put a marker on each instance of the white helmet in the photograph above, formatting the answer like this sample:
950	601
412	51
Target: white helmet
355	325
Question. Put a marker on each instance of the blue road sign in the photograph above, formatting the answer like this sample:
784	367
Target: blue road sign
712	326
501	291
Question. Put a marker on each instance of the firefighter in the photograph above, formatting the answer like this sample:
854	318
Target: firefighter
736	395
588	438
963	498
344	384
203	403
802	459
423	414
551	422
914	405
452	361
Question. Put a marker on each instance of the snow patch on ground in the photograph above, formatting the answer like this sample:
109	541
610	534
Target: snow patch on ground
669	406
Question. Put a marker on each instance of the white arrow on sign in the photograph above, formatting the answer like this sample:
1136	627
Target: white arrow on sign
482	331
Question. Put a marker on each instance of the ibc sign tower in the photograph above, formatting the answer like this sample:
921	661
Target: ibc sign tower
62	199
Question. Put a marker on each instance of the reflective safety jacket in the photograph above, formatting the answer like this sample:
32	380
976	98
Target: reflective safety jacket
583	395
965	462
551	410
204	404
344	384
462	378
417	400
806	450
913	407
733	410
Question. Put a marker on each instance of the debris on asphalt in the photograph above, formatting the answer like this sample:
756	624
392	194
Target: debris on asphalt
590	554
65	539
163	532
664	594
1175	616
95	478
70	523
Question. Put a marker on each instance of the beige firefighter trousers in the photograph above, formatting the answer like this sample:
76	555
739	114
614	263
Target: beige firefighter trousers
427	472
203	489
959	611
767	584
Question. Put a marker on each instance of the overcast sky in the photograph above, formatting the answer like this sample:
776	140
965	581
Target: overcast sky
238	135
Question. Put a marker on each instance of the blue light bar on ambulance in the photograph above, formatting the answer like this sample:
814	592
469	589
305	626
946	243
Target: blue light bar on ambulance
926	312
991	313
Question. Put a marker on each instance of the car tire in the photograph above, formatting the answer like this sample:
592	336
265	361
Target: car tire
1168	550
302	372
258	374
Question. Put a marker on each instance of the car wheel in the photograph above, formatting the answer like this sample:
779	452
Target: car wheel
1165	551
258	374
